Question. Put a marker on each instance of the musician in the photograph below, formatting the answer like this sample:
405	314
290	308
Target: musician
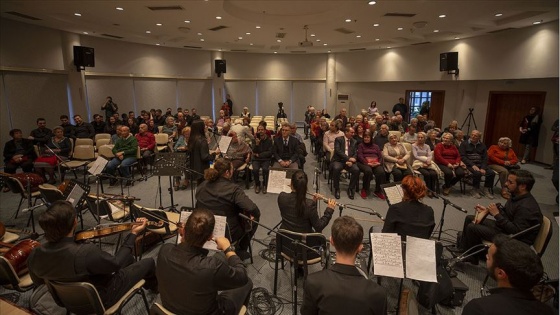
62	259
299	214
199	152
520	212
516	268
345	157
18	152
223	197
342	289
410	216
190	279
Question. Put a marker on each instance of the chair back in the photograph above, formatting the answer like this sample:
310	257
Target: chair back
84	141
8	276
50	193
158	309
76	297
397	133
161	138
304	256
101	136
84	152
105	151
544	236
102	142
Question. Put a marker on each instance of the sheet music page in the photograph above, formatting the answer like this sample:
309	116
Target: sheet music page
98	165
421	259
75	195
394	194
219	229
387	255
277	182
224	144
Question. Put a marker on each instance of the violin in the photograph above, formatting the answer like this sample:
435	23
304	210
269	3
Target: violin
111	229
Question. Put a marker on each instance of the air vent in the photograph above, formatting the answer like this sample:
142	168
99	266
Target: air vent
112	36
356	49
298	52
395	14
24	16
275	47
344	30
192	47
422	43
217	28
503	29
280	35
166	8
238	50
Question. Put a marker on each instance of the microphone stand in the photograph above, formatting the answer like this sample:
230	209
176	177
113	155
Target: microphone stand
296	244
60	160
446	202
191	173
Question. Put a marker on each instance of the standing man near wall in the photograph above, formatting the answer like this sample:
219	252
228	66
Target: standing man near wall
230	104
401	107
109	107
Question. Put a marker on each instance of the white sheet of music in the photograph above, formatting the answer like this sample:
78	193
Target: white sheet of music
98	165
277	182
421	259
224	144
387	255
394	194
75	195
219	229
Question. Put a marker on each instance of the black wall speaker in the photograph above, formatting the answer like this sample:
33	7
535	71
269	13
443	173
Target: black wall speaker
84	57
449	61
220	66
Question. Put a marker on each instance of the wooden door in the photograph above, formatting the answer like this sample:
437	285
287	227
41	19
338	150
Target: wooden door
436	107
505	112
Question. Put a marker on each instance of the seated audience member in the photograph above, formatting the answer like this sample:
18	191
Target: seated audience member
210	133
243	132
245	112
424	163
382	136
62	259
225	198
449	162
98	124
359	136
395	157
152	126
345	157
413	123
453	125
117	118
111	126
285	149
342	117
422	122
131	123
313	126
125	150
378	121
170	128
238	152
221	119
268	132
370	159
117	134
182	145
262	155
59	146
520	212
458	137
410	217
159	119
342	288
180	121
146	143
302	149
501	159
431	139
18	152
474	154
82	129
194	115
329	137
516	269
40	135
179	110
309	118
191	282
298	213
145	118
410	136
226	127
68	127
360	120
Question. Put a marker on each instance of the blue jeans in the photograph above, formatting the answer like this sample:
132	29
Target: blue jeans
111	167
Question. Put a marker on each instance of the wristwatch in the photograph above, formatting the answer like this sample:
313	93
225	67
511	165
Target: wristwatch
231	248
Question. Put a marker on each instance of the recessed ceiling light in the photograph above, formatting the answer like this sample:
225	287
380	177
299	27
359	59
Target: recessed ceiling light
376	24
275	52
77	14
157	44
119	8
247	33
317	40
498	14
86	33
218	18
312	35
372	2
202	39
159	24
329	50
436	31
348	20
399	29
388	47
537	22
457	38
148	32
377	39
239	37
441	16
199	34
358	36
325	44
251	44
187	21
279	40
258	26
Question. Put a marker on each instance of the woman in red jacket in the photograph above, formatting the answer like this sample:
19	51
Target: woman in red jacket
447	157
501	159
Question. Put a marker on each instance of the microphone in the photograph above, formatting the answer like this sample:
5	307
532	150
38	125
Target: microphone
33	208
447	201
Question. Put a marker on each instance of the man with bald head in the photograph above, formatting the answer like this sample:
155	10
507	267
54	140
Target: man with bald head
146	142
474	155
125	155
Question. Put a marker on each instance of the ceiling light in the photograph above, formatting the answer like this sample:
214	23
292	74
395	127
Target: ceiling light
159	24
376	24
239	37
258	26
358	36
157	44
247	33
317	40
312	35
202	39
86	33
218	18
279	40
348	20
537	22
377	39
275	52
436	31
371	2
399	29
441	16
325	44
187	21
77	14
388	47
148	32
498	14
119	8
251	44
457	38
199	34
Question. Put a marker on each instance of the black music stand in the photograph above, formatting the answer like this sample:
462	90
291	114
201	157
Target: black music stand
77	196
393	192
169	164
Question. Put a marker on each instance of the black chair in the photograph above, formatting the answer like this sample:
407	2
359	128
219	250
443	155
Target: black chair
50	193
11	280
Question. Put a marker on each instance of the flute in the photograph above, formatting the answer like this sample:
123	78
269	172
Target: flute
326	200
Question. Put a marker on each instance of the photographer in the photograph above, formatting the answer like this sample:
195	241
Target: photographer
281	113
109	107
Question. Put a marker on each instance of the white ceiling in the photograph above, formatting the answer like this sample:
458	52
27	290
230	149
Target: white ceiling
325	19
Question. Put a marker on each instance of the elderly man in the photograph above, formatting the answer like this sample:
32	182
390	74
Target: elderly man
475	156
343	117
345	157
146	142
238	152
382	136
125	155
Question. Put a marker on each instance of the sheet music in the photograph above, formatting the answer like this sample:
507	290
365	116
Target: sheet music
224	144
98	165
75	195
394	194
387	254
219	229
421	259
277	182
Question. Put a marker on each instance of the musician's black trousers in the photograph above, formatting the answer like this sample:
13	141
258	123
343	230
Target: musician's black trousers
474	234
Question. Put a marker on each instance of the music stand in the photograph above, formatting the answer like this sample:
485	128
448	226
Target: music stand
169	164
75	193
393	192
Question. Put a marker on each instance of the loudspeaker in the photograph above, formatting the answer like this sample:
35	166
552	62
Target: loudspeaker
449	61
220	66
84	57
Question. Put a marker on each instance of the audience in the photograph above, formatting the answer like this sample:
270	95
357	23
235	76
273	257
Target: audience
501	159
345	157
262	154
449	162
41	134
18	152
475	156
424	163
370	160
395	159
57	147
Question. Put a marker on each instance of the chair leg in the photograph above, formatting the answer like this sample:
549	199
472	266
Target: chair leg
145	300
19	207
275	273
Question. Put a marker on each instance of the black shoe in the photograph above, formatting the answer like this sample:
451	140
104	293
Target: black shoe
337	193
351	193
243	254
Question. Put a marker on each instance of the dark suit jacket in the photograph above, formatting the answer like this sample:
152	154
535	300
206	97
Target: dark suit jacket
340	148
200	156
411	218
278	149
502	301
10	149
341	289
309	222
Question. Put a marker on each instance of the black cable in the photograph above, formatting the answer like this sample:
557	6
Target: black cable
261	302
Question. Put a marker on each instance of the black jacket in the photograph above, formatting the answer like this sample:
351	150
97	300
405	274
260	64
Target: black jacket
289	153
264	149
340	149
507	301
10	149
309	222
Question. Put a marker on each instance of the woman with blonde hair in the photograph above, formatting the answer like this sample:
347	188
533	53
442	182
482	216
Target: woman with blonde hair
502	159
395	156
424	163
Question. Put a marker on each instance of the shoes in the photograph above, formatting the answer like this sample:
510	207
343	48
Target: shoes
363	194
475	194
243	254
337	193
488	193
257	188
264	190
184	184
379	195
351	194
176	187
446	190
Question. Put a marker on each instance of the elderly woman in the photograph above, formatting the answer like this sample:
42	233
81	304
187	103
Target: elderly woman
458	137
59	146
424	163
502	158
170	128
395	156
431	139
370	160
449	161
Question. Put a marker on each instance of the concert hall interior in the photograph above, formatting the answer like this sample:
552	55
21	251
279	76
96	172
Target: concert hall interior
507	57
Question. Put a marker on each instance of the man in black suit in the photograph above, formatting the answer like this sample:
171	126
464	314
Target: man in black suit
285	149
345	157
343	289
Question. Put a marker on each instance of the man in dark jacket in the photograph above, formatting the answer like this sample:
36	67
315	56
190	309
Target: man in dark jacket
262	155
18	152
345	157
475	156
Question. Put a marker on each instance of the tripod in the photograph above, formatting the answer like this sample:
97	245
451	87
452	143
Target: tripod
469	118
